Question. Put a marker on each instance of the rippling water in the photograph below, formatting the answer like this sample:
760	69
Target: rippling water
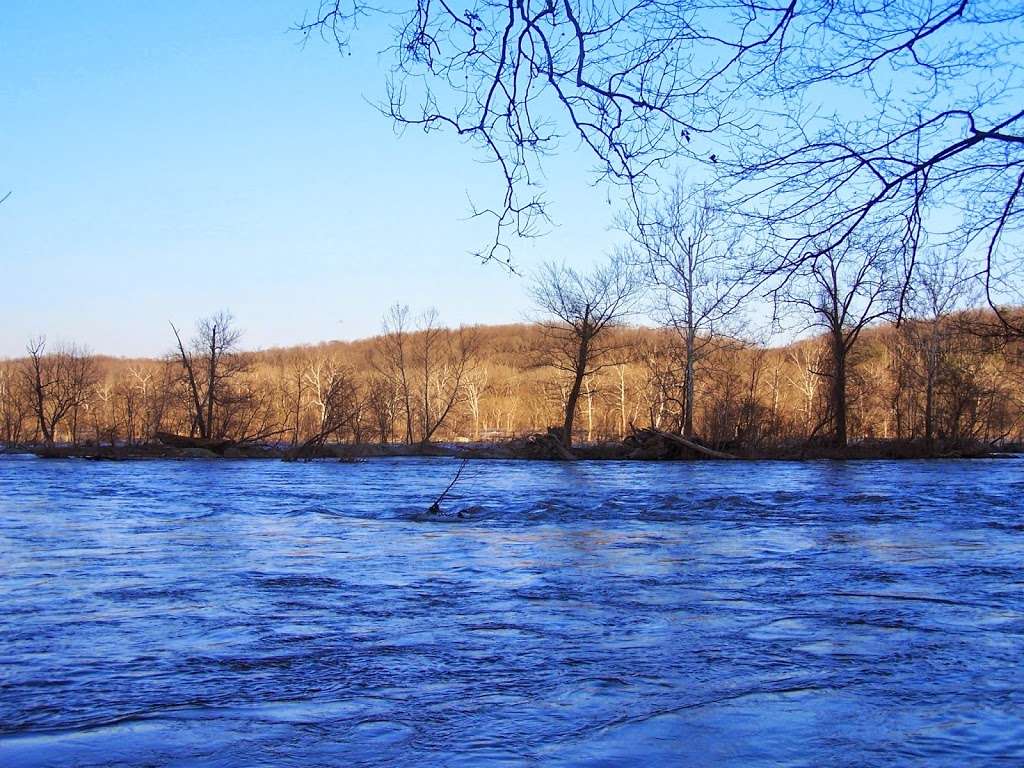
259	613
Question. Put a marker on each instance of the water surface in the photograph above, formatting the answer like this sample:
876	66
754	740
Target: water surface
594	614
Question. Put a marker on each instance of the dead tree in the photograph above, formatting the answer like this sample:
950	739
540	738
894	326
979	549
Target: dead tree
579	311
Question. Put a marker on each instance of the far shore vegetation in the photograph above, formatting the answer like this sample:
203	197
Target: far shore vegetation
579	383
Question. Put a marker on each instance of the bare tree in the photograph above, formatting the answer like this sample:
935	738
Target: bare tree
336	402
394	359
209	365
691	257
844	290
444	358
941	285
808	359
383	404
580	311
59	382
427	366
15	406
132	399
476	387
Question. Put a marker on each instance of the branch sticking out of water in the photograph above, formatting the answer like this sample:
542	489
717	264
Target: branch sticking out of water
435	508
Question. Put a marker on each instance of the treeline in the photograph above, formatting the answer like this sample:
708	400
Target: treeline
930	380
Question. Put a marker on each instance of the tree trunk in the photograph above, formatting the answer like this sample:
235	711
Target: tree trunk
688	387
574	393
210	387
839	392
929	409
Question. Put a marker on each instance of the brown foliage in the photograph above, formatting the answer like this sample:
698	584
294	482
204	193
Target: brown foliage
485	383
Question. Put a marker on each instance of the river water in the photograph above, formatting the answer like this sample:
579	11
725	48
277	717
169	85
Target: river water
221	613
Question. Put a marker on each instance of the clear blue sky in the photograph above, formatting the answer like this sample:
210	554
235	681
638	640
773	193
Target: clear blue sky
171	159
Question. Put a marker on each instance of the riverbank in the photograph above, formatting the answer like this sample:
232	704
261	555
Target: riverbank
533	448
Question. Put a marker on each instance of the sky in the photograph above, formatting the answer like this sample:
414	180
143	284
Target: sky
169	160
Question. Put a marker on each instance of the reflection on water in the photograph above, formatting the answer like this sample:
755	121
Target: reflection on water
248	613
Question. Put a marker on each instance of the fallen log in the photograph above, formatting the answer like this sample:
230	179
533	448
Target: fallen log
679	439
653	443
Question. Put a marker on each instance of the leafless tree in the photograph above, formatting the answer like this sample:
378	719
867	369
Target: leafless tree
427	365
941	287
844	290
383	404
476	387
336	402
59	382
807	359
579	311
209	365
692	259
444	358
131	398
15	406
393	360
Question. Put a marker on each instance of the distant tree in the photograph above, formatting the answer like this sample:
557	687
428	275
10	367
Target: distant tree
59	382
941	285
335	399
661	393
131	398
476	387
427	366
579	310
393	360
291	377
444	358
383	405
623	389
15	407
103	412
209	364
155	382
691	258
807	361
843	290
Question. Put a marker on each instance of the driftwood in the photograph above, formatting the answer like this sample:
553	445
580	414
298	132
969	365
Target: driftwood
656	443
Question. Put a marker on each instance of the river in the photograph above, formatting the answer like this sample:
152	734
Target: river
258	613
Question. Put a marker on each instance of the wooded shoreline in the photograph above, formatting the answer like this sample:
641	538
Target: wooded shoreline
533	448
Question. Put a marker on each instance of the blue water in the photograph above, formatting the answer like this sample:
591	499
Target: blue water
266	614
